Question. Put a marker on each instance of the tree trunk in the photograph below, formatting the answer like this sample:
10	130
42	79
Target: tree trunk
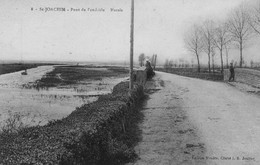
209	63
221	57
213	66
226	56
198	62
241	57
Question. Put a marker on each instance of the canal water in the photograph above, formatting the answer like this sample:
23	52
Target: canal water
37	107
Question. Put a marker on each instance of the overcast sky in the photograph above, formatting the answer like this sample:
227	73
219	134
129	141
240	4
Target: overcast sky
27	34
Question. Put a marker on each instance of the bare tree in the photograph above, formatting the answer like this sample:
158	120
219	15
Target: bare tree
227	51
221	39
240	29
255	19
193	42
208	34
141	59
213	58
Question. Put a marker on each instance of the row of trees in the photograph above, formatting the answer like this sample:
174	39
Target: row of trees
241	24
180	63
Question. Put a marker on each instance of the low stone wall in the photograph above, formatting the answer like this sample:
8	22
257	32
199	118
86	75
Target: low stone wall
140	75
243	75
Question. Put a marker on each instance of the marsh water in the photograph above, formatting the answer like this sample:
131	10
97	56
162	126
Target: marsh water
38	106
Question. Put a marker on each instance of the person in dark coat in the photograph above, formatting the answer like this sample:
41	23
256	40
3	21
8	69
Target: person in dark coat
149	70
232	72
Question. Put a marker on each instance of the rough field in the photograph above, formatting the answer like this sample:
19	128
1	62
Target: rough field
256	68
246	76
192	72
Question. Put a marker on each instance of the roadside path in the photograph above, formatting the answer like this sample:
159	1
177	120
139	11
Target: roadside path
192	121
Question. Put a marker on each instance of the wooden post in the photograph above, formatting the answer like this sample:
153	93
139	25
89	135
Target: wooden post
152	61
155	57
131	45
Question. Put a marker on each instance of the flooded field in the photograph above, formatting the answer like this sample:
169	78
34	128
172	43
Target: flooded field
37	106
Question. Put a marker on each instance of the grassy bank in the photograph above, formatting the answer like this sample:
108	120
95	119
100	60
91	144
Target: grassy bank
15	67
103	132
192	72
256	68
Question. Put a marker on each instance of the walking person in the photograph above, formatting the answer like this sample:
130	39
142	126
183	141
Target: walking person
232	72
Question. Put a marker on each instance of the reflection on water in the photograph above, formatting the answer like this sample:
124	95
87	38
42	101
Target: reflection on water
40	105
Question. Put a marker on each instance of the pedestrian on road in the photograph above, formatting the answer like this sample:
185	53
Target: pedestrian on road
232	72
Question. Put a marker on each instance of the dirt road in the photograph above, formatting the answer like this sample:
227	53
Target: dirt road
192	121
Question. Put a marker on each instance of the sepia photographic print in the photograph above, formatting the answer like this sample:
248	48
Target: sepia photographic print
134	82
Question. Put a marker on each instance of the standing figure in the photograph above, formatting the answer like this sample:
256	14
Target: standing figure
149	70
232	72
